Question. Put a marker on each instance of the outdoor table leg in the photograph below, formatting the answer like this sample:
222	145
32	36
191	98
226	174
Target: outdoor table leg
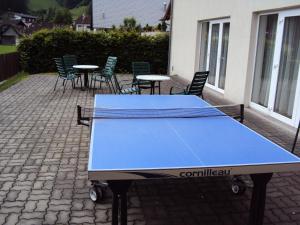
152	88
86	79
159	87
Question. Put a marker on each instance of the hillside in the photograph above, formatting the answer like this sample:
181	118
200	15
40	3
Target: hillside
35	5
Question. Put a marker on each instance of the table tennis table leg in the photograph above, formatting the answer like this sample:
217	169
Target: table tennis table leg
119	189
258	199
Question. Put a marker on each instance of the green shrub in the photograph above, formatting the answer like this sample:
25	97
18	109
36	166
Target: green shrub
37	51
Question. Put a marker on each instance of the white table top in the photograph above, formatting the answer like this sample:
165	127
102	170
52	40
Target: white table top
86	67
153	77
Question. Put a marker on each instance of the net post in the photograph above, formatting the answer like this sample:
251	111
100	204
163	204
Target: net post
242	113
78	115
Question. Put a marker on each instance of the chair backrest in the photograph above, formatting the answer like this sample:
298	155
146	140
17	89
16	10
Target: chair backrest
70	61
110	66
198	82
60	67
140	68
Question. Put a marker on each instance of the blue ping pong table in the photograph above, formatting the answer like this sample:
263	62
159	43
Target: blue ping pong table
123	150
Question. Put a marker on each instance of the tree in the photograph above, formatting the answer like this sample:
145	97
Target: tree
129	24
159	27
13	5
148	28
50	14
63	17
163	26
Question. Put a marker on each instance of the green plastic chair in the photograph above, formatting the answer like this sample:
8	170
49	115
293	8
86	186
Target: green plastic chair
106	75
141	68
120	89
64	74
196	87
69	62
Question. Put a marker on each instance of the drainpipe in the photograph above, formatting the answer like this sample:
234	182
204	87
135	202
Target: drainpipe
92	26
170	36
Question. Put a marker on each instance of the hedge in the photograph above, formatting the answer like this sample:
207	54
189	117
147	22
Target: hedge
37	51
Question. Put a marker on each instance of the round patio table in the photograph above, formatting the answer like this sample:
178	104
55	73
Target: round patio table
86	69
153	78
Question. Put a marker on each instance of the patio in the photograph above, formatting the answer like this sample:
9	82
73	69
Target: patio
43	164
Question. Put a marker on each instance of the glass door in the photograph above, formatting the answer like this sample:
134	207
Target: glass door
213	52
276	77
288	67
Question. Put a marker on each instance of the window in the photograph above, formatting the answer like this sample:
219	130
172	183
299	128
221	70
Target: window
213	51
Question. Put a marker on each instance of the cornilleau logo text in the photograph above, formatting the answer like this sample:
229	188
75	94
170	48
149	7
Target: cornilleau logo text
205	173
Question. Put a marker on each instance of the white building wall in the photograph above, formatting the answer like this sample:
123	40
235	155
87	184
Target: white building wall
243	26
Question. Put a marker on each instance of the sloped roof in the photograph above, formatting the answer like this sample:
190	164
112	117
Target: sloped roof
107	13
167	14
6	26
25	15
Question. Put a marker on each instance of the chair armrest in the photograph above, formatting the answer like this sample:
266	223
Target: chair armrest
183	90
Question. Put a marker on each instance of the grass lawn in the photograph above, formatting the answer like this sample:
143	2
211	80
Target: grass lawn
35	5
13	80
7	49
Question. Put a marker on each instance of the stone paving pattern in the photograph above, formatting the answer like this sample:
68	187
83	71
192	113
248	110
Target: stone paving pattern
43	170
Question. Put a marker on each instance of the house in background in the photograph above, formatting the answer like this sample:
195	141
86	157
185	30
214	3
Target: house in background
83	23
108	13
251	48
25	18
29	19
9	34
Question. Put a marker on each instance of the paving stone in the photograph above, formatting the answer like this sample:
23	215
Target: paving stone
43	169
3	218
81	220
42	205
63	217
30	206
51	217
32	215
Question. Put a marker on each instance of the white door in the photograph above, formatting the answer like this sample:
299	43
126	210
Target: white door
276	78
218	35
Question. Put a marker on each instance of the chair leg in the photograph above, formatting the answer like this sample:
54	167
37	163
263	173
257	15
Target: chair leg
55	83
94	87
65	84
296	138
107	83
91	83
100	85
114	88
80	82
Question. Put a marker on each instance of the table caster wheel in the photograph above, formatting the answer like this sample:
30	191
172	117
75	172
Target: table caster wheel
96	194
238	187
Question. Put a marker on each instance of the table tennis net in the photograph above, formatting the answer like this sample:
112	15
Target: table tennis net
87	114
